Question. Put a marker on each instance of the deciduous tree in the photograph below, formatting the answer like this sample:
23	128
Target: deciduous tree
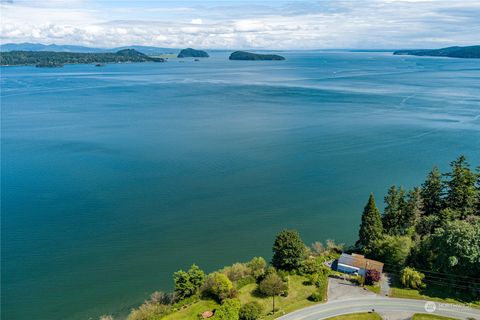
289	250
411	278
272	286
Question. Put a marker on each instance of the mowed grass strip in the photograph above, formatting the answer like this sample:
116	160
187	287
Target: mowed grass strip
297	298
422	316
358	316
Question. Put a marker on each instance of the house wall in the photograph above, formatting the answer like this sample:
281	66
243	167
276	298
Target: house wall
347	269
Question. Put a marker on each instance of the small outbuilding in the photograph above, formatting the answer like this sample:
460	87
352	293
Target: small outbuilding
357	264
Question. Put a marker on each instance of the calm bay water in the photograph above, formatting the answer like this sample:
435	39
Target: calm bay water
115	177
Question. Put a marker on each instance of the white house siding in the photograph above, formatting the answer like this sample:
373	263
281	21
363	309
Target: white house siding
347	269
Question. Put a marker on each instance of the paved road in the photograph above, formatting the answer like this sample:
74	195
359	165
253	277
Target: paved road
381	305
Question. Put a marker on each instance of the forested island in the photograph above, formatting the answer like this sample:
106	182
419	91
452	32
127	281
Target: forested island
470	52
192	53
58	59
243	55
428	239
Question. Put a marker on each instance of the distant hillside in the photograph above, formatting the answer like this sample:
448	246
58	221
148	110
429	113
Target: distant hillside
243	55
26	46
80	49
147	49
56	59
192	53
471	52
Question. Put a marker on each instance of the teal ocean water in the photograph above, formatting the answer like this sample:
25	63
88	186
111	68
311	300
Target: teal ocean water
115	177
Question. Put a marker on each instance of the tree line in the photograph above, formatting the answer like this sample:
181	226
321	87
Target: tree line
434	228
50	58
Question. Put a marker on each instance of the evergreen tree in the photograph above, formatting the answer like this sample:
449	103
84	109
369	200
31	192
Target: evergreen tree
289	250
432	192
371	225
395	206
478	191
414	208
462	193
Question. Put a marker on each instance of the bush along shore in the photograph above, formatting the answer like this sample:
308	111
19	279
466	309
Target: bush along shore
427	237
297	276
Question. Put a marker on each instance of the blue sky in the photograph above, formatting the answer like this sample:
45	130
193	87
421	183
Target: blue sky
246	24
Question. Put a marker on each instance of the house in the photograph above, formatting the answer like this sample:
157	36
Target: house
357	264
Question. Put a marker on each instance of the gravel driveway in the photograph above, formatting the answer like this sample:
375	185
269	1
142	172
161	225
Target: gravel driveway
339	289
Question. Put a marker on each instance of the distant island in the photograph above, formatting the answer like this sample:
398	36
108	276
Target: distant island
58	59
192	53
243	55
471	52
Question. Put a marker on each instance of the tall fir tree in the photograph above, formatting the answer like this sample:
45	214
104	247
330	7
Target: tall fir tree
371	226
395	206
461	189
478	191
414	208
432	193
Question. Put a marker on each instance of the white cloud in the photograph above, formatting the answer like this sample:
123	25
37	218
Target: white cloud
302	25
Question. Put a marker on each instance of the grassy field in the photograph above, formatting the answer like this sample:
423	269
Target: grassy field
421	316
191	312
442	294
358	316
297	298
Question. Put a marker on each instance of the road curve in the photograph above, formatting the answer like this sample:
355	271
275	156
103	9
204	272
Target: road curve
381	305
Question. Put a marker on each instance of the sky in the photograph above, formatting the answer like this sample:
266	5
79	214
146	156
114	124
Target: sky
243	24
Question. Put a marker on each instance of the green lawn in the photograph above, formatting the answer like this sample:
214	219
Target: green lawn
439	294
374	289
358	316
297	298
191	312
421	316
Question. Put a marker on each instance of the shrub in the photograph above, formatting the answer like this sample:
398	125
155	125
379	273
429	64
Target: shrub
237	271
334	247
244	281
229	310
411	278
257	267
372	276
317	249
356	279
218	286
148	311
251	311
311	266
159	297
317	296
